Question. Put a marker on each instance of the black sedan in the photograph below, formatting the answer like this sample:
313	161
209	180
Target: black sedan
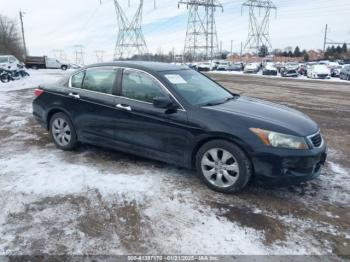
177	115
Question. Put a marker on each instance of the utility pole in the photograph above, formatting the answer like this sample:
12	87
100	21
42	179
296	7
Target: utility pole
327	42
259	28
241	49
220	49
231	47
325	38
23	38
201	36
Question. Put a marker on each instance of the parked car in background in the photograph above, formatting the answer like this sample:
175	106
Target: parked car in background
345	72
236	67
44	62
251	68
335	68
269	69
223	66
289	72
205	66
292	65
74	66
179	116
9	62
320	71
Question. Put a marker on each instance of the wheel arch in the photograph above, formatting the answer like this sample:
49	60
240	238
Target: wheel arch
235	140
54	111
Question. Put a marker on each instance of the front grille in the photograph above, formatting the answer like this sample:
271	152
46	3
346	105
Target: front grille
316	140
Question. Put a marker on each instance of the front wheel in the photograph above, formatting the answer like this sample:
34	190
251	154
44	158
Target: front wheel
63	132
64	67
223	166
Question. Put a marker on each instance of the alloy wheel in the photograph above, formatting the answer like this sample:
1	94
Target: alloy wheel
61	131
220	167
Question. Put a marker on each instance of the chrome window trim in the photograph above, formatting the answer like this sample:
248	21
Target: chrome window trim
317	133
160	83
128	68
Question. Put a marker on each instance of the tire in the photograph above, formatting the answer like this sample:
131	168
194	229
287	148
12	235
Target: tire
64	67
237	167
62	132
4	78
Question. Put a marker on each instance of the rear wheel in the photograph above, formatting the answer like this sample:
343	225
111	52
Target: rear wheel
4	78
223	166
63	132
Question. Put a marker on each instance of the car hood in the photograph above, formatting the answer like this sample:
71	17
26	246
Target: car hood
267	114
322	71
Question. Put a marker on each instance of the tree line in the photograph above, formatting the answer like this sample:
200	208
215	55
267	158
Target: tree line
337	52
10	38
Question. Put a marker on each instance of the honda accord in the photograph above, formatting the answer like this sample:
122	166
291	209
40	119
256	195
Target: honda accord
177	115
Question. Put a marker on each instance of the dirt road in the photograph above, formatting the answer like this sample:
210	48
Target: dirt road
95	201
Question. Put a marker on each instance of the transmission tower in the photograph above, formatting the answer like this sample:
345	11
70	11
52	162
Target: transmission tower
259	23
130	40
201	36
60	55
99	56
79	54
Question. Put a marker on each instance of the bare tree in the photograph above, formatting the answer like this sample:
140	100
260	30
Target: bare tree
10	40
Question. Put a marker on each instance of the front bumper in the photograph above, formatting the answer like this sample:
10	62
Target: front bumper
289	166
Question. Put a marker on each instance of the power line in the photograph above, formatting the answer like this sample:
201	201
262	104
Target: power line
327	41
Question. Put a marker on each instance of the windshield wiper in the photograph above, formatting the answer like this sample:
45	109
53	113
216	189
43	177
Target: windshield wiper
220	102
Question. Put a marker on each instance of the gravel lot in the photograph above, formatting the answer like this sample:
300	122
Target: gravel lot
96	201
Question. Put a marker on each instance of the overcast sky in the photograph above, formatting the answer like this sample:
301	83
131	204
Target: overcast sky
61	24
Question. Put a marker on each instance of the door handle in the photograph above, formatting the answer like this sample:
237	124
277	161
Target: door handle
76	96
124	107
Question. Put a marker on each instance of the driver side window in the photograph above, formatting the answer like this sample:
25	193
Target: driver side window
140	86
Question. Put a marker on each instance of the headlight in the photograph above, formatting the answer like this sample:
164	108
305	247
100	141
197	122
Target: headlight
274	139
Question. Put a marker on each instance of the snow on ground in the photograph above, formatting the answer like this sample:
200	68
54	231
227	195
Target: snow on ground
95	201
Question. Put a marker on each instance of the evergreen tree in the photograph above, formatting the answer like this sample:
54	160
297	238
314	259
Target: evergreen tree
339	49
345	48
297	52
263	51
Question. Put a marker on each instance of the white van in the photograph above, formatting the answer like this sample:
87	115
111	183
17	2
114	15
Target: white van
9	62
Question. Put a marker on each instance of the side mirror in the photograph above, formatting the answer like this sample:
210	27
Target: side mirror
163	102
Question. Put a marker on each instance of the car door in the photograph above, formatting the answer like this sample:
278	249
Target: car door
92	104
148	130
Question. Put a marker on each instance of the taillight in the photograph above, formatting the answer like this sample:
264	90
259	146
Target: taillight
38	92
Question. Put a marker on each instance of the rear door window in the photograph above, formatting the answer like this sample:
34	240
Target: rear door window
77	79
100	80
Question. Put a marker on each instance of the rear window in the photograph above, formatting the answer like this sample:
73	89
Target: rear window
99	80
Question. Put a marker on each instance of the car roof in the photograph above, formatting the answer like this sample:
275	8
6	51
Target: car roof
142	65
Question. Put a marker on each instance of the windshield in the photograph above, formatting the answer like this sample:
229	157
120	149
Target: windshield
197	89
3	59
